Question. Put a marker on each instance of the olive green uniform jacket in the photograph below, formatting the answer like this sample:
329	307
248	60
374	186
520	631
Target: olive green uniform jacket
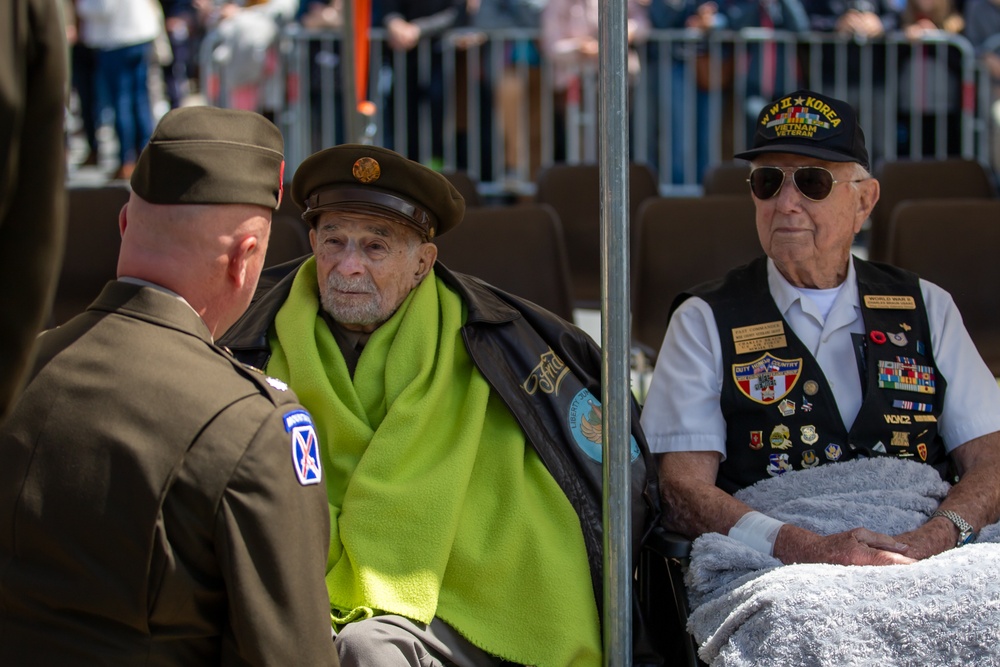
32	166
151	512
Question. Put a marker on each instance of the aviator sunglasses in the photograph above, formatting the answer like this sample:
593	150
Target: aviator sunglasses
815	183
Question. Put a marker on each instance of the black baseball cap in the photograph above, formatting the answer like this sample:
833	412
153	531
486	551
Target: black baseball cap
810	124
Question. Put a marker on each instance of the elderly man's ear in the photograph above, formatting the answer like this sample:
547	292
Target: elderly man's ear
869	191
427	256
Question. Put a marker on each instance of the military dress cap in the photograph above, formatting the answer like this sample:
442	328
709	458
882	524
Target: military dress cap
353	175
206	155
810	124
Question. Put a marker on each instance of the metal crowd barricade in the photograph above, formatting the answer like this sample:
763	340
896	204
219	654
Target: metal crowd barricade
485	102
987	98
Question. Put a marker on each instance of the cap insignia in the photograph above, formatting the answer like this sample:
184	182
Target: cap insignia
800	117
366	170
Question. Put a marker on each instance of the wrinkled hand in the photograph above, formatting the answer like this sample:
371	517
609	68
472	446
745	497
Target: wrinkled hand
858	546
930	539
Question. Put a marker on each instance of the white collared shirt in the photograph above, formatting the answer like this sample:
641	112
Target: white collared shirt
682	410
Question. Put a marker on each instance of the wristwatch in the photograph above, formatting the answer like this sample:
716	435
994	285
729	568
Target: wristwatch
966	533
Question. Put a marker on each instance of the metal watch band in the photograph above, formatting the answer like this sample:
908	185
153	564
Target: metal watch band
966	533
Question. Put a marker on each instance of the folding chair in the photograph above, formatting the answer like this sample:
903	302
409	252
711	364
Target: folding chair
92	244
466	186
573	190
953	243
727	178
923	179
682	242
289	233
518	248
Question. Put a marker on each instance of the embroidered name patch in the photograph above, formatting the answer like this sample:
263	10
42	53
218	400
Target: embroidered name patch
305	447
759	337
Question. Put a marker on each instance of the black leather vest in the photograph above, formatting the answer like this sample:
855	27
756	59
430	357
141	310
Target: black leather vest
780	411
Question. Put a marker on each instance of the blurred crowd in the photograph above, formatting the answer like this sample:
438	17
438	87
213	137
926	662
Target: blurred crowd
132	60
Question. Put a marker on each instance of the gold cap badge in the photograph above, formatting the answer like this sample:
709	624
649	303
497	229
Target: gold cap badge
366	170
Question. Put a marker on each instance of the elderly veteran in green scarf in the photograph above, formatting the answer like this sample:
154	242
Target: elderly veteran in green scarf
460	430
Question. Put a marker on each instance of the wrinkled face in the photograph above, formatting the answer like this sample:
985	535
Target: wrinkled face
366	266
810	241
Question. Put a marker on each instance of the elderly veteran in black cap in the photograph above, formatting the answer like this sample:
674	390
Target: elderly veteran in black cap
160	503
460	428
786	361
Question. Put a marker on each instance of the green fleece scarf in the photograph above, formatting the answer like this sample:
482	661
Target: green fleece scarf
438	505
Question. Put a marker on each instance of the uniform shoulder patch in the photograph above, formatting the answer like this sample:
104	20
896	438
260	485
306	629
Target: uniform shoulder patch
305	447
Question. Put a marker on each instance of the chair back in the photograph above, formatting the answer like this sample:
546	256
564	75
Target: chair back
953	243
685	241
466	185
573	190
727	178
289	233
901	180
518	248
92	245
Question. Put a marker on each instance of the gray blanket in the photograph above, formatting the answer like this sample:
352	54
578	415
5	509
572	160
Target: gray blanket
749	609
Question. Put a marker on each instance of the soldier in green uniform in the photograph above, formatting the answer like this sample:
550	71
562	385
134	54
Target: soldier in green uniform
161	503
32	158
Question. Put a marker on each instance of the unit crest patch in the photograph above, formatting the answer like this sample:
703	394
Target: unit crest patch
585	416
768	378
305	447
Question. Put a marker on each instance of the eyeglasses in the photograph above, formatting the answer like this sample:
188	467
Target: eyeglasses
815	183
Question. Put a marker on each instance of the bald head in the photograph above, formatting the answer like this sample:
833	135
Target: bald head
211	255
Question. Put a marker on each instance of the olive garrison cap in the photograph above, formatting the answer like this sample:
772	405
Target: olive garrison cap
810	124
352	175
206	155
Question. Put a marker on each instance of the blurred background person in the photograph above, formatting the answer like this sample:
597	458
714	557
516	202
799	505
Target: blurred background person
861	20
407	22
246	51
122	33
925	79
982	21
569	41
179	19
519	87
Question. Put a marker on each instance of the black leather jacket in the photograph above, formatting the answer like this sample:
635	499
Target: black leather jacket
541	365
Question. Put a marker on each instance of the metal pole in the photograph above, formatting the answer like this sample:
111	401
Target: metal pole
613	157
353	126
